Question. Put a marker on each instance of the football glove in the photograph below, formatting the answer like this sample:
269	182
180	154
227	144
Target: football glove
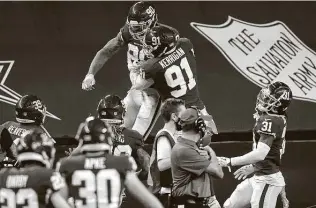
88	82
244	172
224	162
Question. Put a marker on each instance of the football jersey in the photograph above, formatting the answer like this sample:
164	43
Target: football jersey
175	74
28	187
5	142
135	53
17	129
274	125
96	181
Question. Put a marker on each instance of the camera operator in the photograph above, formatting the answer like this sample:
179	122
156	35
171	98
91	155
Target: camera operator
193	165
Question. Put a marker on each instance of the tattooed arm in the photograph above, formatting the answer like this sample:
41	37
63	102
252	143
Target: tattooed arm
105	53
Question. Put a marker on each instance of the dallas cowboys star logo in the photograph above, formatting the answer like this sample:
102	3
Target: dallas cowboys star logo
10	96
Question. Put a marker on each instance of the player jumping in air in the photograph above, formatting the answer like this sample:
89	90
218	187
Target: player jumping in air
171	69
264	160
95	177
142	105
34	184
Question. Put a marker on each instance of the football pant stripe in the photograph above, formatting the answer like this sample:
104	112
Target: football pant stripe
154	119
263	195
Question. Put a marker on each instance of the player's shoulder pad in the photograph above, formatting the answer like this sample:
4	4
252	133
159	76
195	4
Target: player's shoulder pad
168	26
6	124
185	42
122	163
271	124
132	133
125	35
68	162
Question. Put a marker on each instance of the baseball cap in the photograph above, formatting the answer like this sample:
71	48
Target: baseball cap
190	115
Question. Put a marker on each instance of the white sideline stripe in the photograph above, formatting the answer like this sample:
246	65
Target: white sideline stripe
291	141
311	206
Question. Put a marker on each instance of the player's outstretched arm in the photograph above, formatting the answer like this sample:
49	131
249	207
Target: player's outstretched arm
59	201
102	56
59	196
140	192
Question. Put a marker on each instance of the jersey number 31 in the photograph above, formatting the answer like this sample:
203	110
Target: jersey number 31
175	78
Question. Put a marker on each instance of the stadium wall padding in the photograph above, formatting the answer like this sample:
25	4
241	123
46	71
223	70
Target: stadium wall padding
53	43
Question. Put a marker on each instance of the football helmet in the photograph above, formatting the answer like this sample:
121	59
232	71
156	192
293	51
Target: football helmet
160	40
141	17
36	146
111	109
95	134
275	98
30	109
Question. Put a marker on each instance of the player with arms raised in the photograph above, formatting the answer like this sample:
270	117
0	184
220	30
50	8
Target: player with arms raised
34	185
142	106
264	160
171	69
96	178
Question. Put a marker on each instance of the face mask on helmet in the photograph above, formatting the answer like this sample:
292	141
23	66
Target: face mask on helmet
31	112
267	102
140	19
112	112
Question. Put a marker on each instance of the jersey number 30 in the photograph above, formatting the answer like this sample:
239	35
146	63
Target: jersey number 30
100	190
26	198
174	78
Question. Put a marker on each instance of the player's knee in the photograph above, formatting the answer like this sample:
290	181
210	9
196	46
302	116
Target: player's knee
228	204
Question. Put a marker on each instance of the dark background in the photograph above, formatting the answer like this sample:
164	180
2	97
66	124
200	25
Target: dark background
53	44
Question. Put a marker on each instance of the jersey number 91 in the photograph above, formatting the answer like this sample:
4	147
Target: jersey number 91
174	76
97	190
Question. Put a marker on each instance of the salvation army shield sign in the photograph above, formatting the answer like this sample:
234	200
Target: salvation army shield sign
265	53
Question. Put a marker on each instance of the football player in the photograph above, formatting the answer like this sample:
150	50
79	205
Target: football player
264	160
30	113
111	110
172	68
34	184
96	178
142	105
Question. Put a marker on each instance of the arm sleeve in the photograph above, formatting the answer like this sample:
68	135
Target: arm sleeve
191	161
163	148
